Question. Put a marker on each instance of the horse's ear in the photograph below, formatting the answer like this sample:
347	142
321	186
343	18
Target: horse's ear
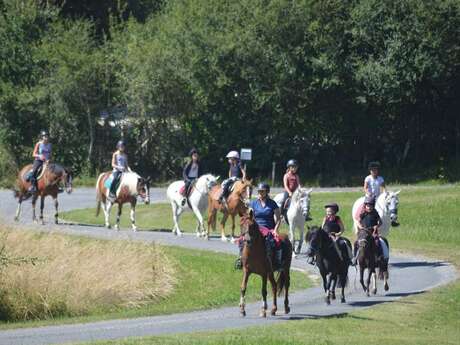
251	213
217	177
399	191
148	179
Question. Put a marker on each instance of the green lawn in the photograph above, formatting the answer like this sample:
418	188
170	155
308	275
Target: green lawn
429	226
204	280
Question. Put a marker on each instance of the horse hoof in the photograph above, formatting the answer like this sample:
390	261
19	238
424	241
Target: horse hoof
134	228
328	300
243	313
368	294
198	235
287	310
16	219
273	312
386	287
333	295
342	300
108	226
223	239
56	222
179	234
232	240
374	291
263	313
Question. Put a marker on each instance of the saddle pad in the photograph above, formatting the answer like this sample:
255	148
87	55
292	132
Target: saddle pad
28	174
108	182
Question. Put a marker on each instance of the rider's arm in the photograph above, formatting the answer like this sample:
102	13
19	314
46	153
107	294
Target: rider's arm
127	165
243	171
277	215
365	186
342	228
35	152
185	172
285	184
51	154
114	161
324	222
383	187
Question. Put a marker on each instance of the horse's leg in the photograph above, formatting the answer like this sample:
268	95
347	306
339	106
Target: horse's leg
244	285
386	276
34	201
292	234
232	239
263	311
42	206
374	281
271	277
107	208
368	283
301	238
361	277
334	283
177	211
132	214
56	213
328	288
117	223
287	284
343	282
222	227
18	209
200	226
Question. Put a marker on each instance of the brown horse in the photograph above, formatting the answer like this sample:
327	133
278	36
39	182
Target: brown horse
236	204
254	259
131	185
47	184
367	251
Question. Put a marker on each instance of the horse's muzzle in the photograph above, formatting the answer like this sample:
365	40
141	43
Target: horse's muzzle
69	190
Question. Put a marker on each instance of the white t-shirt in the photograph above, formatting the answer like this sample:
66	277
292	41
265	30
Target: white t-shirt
373	185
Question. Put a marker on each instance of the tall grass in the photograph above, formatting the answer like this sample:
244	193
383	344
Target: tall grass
74	276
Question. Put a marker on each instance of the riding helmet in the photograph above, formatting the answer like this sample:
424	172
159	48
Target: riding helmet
373	165
332	205
369	200
192	151
291	163
121	143
44	133
233	154
263	186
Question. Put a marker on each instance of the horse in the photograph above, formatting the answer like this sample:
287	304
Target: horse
367	251
298	210
387	207
254	259
52	174
236	204
131	185
197	201
332	268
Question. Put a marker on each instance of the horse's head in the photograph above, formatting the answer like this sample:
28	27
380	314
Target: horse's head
209	181
68	178
391	205
143	188
314	239
249	227
303	199
364	238
243	190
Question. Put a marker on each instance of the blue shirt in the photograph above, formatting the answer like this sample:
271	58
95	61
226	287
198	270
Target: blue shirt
265	216
235	170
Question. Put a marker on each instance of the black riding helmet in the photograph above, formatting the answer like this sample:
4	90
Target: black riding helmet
192	151
373	165
263	186
332	205
291	163
44	133
369	200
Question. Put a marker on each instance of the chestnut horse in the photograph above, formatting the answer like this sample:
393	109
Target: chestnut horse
254	259
131	185
236	204
47	184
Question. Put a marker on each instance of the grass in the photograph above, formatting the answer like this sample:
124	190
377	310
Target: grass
429	226
202	280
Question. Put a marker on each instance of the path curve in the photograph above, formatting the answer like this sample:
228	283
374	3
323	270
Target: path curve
408	276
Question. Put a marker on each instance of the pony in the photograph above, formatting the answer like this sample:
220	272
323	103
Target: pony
387	207
367	251
48	181
298	210
131	185
254	259
236	203
197	201
333	270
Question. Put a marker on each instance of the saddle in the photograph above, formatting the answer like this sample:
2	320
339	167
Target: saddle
28	174
109	181
285	208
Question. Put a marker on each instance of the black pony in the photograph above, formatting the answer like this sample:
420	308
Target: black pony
331	267
367	253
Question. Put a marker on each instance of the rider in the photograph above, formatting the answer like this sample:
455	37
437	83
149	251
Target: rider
190	173
236	172
373	183
267	216
333	225
119	165
41	154
369	220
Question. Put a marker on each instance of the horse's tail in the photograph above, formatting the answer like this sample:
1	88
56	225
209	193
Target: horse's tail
281	283
98	195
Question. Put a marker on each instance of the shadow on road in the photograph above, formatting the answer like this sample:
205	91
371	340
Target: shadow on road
419	264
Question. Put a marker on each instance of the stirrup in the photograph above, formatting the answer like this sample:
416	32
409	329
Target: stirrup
238	263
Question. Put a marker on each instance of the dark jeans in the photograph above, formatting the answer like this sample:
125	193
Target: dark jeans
188	183
35	167
226	184
116	177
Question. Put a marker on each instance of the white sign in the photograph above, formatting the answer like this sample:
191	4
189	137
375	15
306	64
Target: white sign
246	154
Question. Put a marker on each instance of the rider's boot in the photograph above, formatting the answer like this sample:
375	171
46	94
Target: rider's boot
33	185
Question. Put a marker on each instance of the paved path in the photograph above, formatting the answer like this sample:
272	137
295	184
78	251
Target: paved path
408	276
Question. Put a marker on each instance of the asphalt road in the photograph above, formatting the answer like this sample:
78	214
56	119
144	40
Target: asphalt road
408	276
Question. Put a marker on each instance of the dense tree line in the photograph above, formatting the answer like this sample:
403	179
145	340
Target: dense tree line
331	83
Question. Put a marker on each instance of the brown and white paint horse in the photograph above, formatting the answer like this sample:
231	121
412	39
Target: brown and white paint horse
131	185
47	184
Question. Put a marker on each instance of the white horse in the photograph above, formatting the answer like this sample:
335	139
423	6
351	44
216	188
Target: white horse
298	210
387	207
131	185
198	201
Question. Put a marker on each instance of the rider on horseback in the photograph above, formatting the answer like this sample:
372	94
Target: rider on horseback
268	217
333	225
190	173
369	220
373	183
119	165
235	172
41	154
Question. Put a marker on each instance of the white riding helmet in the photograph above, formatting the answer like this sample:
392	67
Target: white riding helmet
233	154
